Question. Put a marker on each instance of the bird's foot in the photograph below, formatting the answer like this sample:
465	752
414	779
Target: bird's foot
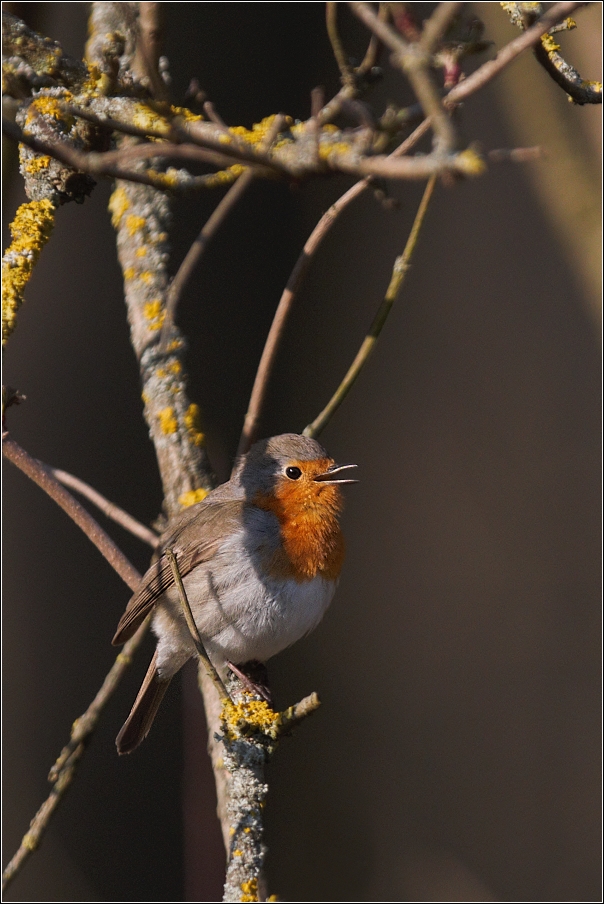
254	676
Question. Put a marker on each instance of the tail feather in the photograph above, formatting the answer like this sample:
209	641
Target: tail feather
136	727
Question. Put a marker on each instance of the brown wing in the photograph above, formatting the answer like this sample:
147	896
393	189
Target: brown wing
193	540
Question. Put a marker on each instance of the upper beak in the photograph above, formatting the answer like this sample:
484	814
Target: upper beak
331	474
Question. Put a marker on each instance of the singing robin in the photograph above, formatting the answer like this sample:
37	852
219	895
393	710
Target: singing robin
260	558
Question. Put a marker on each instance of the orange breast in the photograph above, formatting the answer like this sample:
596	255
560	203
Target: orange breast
312	542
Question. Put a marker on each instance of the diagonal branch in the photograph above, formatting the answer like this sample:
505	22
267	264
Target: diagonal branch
65	766
399	271
110	509
43	476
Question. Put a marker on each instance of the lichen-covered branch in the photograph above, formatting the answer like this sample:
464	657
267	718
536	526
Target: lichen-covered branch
579	90
30	229
250	730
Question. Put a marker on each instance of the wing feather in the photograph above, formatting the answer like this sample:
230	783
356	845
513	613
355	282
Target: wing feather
193	539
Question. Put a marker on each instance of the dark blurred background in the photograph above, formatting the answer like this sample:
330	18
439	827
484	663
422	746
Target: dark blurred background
456	755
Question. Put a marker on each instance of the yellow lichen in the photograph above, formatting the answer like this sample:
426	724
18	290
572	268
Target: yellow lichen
549	43
35	164
50	107
134	224
192	421
146	118
470	163
326	150
155	314
146	276
30	230
225	177
164	180
175	367
129	273
259	130
257	715
141	252
249	890
167	421
118	205
192	497
186	114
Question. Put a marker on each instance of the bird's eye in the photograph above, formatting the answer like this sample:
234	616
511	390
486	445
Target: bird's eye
293	473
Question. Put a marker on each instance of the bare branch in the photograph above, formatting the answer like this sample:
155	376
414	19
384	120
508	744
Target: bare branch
414	60
110	509
65	766
42	475
148	48
273	340
209	229
399	271
346	70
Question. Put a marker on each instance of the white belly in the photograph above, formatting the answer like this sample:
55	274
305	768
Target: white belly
239	616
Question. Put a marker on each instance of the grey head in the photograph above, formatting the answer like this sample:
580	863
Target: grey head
272	459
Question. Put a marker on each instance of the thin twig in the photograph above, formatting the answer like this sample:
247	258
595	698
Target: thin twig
273	340
275	334
209	229
148	47
42	475
516	155
64	768
193	255
414	60
370	58
436	26
110	509
186	609
331	20
399	271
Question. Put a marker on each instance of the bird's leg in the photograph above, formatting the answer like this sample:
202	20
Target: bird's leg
254	676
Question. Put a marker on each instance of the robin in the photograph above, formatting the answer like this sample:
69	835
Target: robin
260	558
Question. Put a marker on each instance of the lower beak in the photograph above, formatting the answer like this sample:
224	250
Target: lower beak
331	475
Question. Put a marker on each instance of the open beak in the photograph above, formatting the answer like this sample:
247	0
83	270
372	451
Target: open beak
331	475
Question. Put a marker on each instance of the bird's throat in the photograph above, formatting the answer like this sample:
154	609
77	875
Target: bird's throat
312	542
